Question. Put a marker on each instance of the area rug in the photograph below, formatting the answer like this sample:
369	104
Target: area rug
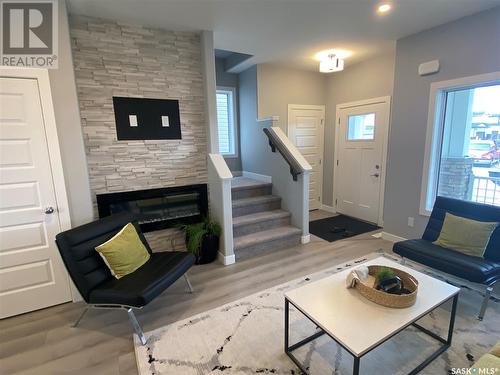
339	227
246	337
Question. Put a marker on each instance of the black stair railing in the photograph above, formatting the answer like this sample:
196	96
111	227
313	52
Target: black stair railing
276	144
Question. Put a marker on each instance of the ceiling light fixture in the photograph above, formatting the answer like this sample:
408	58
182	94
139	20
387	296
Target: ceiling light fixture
331	64
384	8
340	53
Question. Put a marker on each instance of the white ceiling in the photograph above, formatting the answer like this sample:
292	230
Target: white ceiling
288	31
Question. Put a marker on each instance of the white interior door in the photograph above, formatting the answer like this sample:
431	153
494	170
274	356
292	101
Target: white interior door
306	131
361	140
32	275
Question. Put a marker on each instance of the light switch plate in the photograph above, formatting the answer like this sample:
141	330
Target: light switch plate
165	121
411	221
132	120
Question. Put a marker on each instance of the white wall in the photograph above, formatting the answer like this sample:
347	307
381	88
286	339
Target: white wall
62	83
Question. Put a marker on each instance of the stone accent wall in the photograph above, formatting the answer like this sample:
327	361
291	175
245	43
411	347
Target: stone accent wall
455	177
117	59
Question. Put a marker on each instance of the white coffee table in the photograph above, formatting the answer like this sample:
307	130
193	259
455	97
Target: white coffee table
359	325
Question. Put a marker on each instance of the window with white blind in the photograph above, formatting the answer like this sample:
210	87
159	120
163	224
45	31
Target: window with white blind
226	121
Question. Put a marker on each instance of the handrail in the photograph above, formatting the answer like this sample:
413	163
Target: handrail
278	141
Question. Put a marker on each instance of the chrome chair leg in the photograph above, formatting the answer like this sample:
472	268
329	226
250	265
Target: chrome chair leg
403	261
136	325
80	317
486	299
190	287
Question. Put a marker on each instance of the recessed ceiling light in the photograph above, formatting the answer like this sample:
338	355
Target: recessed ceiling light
384	8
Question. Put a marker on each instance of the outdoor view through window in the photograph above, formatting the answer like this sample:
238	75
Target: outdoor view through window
470	150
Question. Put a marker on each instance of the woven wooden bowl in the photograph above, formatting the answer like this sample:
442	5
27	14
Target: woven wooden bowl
367	289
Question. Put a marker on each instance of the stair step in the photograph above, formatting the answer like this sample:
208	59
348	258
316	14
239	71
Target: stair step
267	240
248	224
251	190
247	206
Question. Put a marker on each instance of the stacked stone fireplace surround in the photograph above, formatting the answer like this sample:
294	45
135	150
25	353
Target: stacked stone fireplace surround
117	59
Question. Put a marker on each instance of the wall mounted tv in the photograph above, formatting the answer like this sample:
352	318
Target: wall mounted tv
146	119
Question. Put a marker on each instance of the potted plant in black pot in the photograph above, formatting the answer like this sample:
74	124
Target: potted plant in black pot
202	239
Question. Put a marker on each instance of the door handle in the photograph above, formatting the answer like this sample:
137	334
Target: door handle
49	210
375	175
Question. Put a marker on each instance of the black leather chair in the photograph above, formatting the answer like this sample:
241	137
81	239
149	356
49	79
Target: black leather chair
94	281
485	271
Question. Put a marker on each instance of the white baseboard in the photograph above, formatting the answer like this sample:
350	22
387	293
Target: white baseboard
392	237
305	239
226	260
327	208
258	177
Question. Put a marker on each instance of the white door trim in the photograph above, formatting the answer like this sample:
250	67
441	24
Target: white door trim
42	77
379	100
321	108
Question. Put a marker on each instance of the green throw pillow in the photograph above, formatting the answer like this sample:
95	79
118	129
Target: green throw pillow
465	235
124	252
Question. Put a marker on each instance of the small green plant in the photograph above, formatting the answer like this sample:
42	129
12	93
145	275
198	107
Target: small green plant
384	273
195	232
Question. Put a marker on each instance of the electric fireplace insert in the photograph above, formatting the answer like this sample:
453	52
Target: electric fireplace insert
158	208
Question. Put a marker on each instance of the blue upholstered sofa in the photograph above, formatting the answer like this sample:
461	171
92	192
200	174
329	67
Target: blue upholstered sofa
485	271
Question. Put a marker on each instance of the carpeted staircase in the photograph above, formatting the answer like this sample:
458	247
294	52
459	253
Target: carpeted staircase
259	223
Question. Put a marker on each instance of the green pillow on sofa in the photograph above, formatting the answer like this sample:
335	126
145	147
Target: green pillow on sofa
468	236
124	252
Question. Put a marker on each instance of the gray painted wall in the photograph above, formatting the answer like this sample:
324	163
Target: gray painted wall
222	77
69	131
257	156
465	47
364	80
252	138
226	79
279	86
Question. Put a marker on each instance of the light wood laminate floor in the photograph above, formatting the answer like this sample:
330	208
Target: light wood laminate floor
43	342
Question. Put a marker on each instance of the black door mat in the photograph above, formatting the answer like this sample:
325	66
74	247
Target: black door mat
339	227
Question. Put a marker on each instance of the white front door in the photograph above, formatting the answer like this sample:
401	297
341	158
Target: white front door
32	275
305	130
361	142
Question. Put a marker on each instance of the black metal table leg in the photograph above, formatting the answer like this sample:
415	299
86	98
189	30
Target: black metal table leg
287	310
452	319
288	348
355	367
445	343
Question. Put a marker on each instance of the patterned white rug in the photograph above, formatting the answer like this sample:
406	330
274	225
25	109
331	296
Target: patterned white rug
246	337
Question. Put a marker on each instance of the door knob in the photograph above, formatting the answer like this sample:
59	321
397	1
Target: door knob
375	175
49	210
